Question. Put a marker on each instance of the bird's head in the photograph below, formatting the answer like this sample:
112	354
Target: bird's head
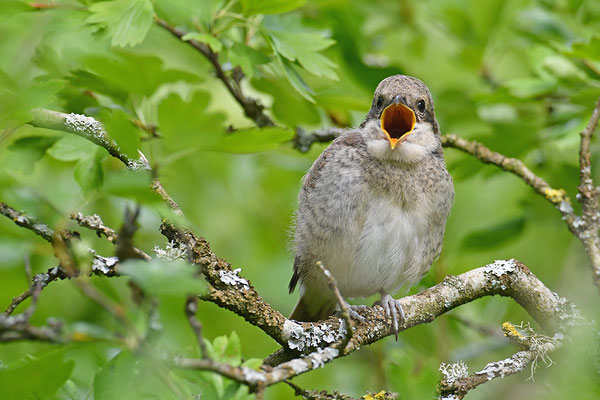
403	107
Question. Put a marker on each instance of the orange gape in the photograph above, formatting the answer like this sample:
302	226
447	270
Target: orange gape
397	121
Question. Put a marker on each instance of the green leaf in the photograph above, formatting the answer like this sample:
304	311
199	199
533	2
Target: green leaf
89	173
71	148
210	40
37	379
119	127
115	379
28	150
589	50
252	7
288	107
126	21
253	140
495	235
162	277
187	125
133	185
295	79
232	354
254	363
16	104
246	57
529	87
304	47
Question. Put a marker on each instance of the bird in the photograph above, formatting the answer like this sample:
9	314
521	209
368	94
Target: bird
373	207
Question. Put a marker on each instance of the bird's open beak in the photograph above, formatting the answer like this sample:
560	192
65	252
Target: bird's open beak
397	121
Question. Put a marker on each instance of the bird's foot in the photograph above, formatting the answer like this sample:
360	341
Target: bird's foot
354	314
393	309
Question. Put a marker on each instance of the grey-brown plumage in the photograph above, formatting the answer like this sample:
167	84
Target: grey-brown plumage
374	215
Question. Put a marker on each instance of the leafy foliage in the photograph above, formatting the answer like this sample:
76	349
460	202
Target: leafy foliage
519	76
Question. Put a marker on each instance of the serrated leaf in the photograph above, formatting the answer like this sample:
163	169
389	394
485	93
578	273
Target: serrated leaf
304	47
71	148
252	7
295	79
495	235
253	140
88	172
210	40
162	277
37	379
28	150
126	21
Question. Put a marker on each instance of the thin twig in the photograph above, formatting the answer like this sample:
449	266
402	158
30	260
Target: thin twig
331	281
558	197
191	307
94	223
534	347
587	229
589	193
252	107
40	281
27	222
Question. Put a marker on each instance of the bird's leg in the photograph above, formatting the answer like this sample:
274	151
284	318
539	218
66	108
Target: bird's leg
392	309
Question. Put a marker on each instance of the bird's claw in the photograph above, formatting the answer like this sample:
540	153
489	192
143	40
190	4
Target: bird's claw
393	309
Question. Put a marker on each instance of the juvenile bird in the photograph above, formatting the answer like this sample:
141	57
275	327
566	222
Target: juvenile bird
373	206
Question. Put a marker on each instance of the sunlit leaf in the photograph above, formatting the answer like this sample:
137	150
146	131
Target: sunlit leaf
270	6
304	47
127	21
71	148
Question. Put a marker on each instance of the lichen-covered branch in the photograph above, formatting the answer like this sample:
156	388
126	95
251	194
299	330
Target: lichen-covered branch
92	130
558	197
588	226
94	223
506	278
27	222
457	382
252	107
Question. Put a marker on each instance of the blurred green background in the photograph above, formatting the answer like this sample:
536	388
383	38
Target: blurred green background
519	76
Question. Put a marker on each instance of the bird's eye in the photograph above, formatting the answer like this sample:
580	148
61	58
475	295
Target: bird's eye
379	102
421	105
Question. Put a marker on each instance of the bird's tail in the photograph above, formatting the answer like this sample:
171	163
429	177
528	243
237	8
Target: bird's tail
313	308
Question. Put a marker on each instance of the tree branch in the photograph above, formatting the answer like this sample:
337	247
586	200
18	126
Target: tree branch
94	223
589	195
27	222
558	197
252	107
92	130
457	382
